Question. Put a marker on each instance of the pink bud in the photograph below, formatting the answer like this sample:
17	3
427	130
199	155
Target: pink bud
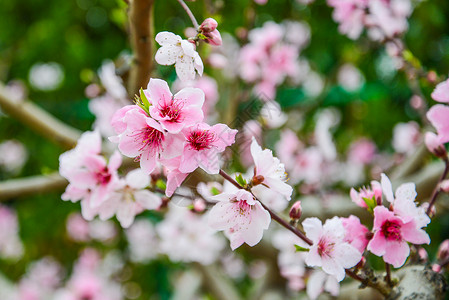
296	211
436	268
214	38
422	254
433	144
199	205
208	25
444	186
443	250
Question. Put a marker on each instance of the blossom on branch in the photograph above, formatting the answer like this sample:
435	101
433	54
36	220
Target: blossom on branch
242	216
179	52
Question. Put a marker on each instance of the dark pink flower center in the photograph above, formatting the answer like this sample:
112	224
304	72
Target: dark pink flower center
172	110
391	230
201	139
149	137
103	176
325	247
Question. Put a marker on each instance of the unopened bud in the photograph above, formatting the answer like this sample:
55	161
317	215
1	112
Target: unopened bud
199	205
208	25
296	211
436	268
444	186
422	253
434	145
214	38
432	76
258	179
443	250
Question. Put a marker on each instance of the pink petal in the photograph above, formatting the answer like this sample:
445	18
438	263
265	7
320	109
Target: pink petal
396	253
148	161
115	161
378	244
224	136
414	235
191	96
438	115
332	267
174	180
441	92
159	92
189	161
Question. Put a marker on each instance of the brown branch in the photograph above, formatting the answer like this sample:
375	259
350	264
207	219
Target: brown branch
190	14
39	120
141	23
436	190
31	185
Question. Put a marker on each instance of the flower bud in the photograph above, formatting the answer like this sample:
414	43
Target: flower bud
434	145
422	253
214	38
444	186
199	205
436	268
208	25
296	211
443	250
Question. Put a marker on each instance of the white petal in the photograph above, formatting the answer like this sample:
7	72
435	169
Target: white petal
147	199
167	38
184	68
137	179
387	188
167	55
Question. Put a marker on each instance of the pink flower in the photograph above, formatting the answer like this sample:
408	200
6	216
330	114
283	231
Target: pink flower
174	112
180	52
438	115
356	233
373	193
441	92
434	146
329	249
391	235
242	215
144	138
362	151
203	144
405	137
130	198
269	171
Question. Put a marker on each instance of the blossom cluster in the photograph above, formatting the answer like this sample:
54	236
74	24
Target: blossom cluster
438	117
271	56
382	19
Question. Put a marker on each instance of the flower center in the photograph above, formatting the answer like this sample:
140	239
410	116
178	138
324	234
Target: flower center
391	230
325	248
149	137
103	176
201	139
172	110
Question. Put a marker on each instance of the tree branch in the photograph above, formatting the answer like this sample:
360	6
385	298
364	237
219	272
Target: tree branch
31	185
39	120
141	24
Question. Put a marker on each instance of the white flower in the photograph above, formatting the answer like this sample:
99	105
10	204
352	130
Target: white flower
269	170
131	199
180	52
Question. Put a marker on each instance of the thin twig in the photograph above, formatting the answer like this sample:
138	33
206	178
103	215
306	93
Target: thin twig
142	40
190	14
39	120
436	191
31	185
388	276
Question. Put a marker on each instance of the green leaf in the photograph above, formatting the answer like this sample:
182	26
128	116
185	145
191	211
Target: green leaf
371	203
240	180
144	99
161	184
301	249
215	191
